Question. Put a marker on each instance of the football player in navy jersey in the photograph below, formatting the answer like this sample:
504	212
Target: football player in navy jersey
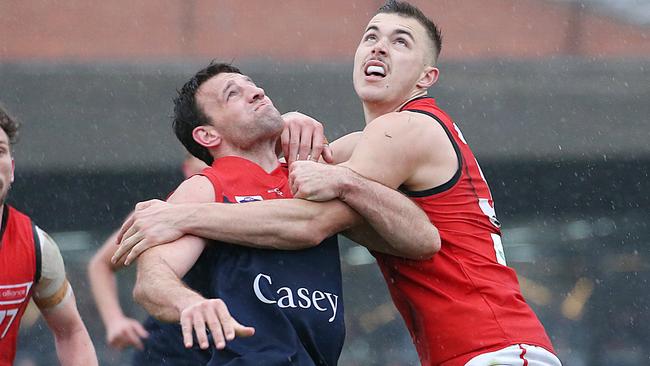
291	298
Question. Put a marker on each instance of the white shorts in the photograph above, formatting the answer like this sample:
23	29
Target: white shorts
517	355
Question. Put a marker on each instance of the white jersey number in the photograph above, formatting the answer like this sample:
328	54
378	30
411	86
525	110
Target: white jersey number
10	314
488	210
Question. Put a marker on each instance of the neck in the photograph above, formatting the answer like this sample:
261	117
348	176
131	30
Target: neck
262	154
374	110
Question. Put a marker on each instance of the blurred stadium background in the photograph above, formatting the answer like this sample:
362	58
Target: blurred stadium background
554	97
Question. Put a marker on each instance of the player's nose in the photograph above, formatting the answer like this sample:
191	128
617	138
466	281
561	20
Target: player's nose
379	47
255	93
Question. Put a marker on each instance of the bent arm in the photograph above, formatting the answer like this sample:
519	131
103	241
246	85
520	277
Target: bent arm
101	274
159	288
392	152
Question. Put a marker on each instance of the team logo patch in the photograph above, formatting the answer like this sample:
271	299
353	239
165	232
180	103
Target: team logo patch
244	199
14	294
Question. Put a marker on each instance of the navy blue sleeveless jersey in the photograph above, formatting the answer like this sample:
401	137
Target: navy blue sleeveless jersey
164	346
292	298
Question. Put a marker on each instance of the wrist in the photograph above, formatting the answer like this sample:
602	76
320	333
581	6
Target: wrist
348	184
111	318
186	217
186	301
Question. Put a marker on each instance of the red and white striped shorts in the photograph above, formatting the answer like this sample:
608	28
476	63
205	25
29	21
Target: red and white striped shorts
516	355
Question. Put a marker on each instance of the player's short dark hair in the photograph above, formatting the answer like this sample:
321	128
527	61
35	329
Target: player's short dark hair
411	11
8	125
188	114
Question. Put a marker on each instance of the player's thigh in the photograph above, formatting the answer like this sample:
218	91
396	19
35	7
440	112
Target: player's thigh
516	355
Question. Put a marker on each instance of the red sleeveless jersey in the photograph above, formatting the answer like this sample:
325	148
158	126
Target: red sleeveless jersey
465	300
19	272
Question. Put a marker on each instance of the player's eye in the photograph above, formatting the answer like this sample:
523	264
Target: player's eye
231	94
370	37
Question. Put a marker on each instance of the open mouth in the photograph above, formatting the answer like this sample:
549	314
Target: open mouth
375	69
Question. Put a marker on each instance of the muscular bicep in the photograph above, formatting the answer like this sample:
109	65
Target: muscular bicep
196	189
402	148
343	147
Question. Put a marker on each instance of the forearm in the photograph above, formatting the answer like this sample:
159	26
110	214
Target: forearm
104	290
73	344
159	290
279	224
404	227
74	348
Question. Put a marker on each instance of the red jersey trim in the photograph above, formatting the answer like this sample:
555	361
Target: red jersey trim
459	156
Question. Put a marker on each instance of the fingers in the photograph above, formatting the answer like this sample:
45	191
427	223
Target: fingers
284	140
318	141
186	329
134	339
136	251
216	324
294	146
198	322
328	155
128	223
242	330
139	329
305	149
126	247
221	325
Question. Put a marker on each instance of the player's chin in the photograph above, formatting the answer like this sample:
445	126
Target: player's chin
372	94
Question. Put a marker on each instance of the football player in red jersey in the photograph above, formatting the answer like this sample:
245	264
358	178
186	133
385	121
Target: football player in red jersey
463	306
31	267
224	118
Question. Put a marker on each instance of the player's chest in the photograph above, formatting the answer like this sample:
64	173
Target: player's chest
256	191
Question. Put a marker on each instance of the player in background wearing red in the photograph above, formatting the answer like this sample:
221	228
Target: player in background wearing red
464	305
31	266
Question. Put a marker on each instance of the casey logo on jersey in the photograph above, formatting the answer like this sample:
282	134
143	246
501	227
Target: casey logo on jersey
292	298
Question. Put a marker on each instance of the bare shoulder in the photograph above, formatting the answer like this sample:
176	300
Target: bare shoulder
195	189
343	147
415	147
415	127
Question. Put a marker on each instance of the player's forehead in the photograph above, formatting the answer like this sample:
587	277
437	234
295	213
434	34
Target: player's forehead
226	79
389	23
218	84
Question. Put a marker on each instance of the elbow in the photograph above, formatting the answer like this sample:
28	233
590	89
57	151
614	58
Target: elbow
139	294
309	237
432	245
317	230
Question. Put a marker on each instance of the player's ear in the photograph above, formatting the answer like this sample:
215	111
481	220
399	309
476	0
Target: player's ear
13	167
429	77
206	136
